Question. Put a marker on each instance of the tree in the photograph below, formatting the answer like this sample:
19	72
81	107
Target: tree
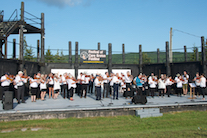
28	51
145	58
49	57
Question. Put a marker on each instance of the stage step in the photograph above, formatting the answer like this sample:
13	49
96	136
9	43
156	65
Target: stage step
151	112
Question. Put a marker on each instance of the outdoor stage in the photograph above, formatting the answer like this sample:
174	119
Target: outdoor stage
89	107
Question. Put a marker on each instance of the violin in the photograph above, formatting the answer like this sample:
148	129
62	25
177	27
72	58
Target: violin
100	78
197	78
120	78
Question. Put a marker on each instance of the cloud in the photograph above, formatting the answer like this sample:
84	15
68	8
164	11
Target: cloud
63	3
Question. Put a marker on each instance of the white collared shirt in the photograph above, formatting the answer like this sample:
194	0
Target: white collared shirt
19	81
6	82
203	82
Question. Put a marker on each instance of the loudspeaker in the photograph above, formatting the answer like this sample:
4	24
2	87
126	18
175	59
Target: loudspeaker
7	100
139	99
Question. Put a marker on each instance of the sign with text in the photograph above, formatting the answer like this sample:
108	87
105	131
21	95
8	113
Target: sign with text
92	56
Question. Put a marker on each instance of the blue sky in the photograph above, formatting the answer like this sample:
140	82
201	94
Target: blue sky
132	22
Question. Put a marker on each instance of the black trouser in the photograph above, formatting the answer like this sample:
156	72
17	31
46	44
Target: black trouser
152	91
128	86
203	90
20	93
38	92
198	90
90	88
79	87
179	91
106	89
98	94
64	90
84	87
116	91
70	94
161	92
169	90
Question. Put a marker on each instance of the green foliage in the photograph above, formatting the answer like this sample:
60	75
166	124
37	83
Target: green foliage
28	51
145	58
48	56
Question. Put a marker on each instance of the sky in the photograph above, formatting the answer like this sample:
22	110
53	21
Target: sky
129	22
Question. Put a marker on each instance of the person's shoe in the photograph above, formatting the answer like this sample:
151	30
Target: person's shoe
23	102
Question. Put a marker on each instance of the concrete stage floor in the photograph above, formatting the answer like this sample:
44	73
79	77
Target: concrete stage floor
90	103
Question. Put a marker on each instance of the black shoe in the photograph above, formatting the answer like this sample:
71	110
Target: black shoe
117	98
23	102
18	102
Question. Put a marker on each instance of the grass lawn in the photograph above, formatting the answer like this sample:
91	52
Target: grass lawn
184	124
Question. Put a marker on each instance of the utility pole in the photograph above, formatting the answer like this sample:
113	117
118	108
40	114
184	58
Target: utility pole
170	50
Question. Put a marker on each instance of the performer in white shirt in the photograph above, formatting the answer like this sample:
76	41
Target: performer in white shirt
169	82
56	86
203	85
51	85
5	82
128	82
64	85
43	86
197	83
34	88
185	78
152	81
161	86
97	82
116	82
71	86
20	87
179	81
106	84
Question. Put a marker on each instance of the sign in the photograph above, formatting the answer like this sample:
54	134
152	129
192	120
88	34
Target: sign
92	56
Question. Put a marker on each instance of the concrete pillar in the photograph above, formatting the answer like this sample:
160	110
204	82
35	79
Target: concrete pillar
99	46
109	57
168	72
185	53
158	55
76	59
70	53
123	54
203	55
197	54
140	58
14	49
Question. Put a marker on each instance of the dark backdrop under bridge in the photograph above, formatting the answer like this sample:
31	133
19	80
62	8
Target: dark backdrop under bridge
13	66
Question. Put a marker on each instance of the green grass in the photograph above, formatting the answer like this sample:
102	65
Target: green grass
183	124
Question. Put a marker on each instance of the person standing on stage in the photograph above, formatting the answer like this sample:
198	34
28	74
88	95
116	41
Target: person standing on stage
34	87
51	85
185	78
128	82
71	86
20	87
98	87
64	85
161	86
91	81
139	84
43	86
5	82
116	82
197	83
169	82
79	85
179	81
152	81
106	84
203	85
56	86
